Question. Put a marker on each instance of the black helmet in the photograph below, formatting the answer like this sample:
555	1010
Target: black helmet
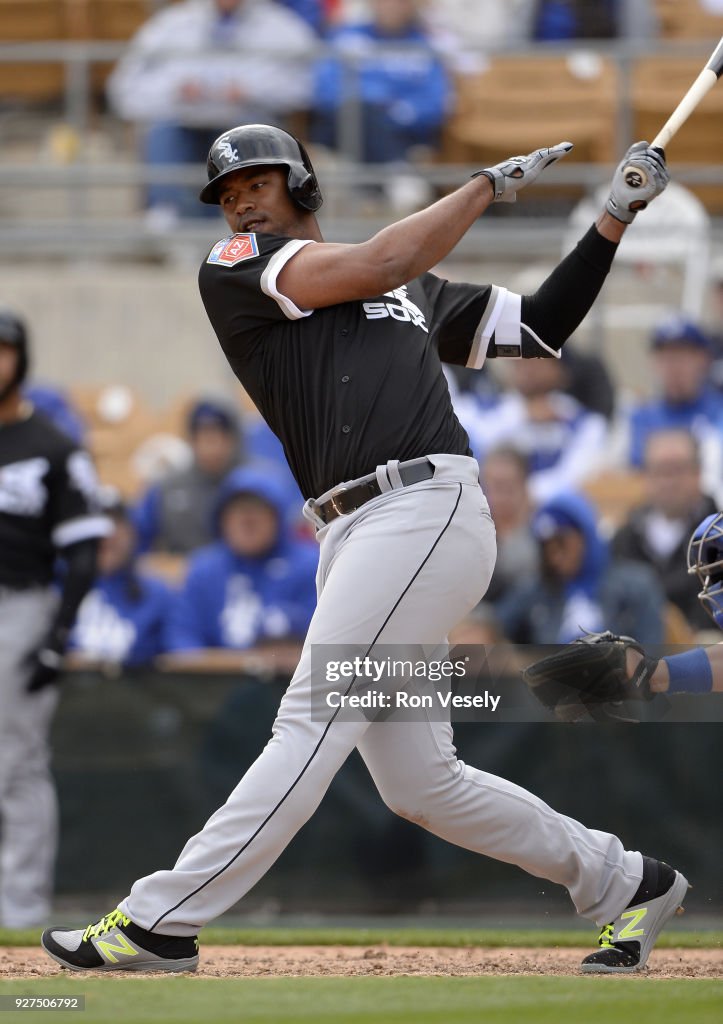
12	332
252	144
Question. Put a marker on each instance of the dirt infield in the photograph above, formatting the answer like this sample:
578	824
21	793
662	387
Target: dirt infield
377	961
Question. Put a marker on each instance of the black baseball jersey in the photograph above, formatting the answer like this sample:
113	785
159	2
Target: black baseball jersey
48	495
345	387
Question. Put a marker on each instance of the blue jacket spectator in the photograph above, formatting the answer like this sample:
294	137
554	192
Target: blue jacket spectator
255	583
176	514
263	446
557	20
123	618
682	355
314	12
579	587
56	405
563	442
400	82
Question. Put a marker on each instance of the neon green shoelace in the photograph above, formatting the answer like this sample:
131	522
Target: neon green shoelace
111	920
605	937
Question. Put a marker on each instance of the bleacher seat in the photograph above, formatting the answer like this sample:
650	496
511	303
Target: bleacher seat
521	102
687	19
118	421
615	493
113	21
658	84
677	629
116	19
165	566
31	21
63	20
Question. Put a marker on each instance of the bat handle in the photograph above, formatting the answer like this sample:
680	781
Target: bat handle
635	177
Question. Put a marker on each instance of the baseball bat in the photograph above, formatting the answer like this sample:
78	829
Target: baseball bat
636	178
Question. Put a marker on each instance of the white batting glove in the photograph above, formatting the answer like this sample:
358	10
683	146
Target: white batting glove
629	196
516	172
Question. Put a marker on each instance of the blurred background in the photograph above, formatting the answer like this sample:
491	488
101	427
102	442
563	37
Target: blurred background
596	467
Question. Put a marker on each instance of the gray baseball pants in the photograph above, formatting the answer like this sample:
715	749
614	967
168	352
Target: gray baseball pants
403	569
28	805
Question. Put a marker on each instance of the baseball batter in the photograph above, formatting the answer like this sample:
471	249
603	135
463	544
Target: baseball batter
341	348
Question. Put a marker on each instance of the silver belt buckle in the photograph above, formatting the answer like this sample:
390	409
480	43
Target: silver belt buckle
341	489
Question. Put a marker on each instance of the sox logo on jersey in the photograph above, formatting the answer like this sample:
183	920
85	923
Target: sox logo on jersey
22	491
401	309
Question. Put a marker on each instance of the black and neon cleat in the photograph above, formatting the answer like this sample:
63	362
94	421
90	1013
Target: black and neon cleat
116	944
625	943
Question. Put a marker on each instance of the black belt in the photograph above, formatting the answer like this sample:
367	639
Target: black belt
348	498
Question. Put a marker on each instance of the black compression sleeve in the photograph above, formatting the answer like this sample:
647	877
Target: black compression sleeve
80	562
563	300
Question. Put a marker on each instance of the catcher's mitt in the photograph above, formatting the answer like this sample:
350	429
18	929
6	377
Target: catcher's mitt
590	675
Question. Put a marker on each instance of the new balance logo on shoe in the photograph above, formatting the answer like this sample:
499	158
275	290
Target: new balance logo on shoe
117	943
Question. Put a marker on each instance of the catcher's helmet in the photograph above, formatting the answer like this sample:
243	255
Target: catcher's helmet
259	144
12	332
705	560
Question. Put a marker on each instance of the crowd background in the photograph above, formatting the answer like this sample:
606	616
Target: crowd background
596	466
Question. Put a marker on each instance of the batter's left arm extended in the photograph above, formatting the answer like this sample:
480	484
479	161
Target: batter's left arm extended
491	322
538	325
553	313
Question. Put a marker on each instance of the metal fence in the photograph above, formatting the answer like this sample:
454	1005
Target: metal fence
78	225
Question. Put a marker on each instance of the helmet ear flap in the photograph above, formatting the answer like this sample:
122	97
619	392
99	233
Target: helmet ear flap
304	189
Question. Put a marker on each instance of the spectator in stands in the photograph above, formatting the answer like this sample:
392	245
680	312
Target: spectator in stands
563	442
175	515
389	65
585	376
197	67
52	402
685	399
317	13
261	445
122	620
580	586
658	532
504	482
557	20
467	31
254	585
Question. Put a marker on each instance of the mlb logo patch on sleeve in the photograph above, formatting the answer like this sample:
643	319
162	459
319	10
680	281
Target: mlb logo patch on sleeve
230	251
